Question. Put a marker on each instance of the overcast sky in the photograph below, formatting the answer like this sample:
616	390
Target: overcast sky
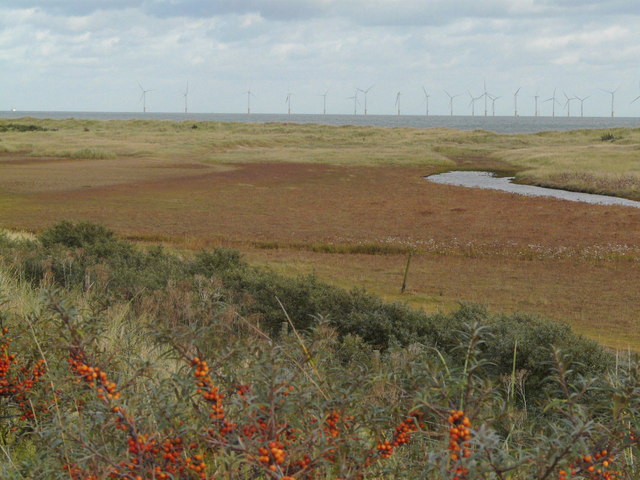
90	55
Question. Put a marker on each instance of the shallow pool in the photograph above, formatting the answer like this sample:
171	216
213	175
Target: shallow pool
489	181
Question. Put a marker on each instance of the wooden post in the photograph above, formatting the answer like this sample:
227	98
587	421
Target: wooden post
406	272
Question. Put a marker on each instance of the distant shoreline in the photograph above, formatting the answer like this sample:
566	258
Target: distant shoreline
498	124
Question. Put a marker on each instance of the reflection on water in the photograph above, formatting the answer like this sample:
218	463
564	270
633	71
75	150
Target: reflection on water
489	181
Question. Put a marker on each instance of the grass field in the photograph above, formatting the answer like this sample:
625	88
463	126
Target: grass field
349	204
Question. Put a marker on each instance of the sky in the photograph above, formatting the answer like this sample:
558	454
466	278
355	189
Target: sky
95	55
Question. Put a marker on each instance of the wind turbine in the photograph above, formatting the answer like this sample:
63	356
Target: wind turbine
582	104
472	103
553	103
186	94
398	102
451	97
143	97
249	95
515	102
485	94
536	97
355	102
568	103
493	105
426	99
365	96
288	102
634	100
612	93
324	102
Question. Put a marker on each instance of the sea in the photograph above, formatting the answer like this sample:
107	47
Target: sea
501	124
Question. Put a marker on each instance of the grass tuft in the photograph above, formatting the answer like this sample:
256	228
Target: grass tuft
90	154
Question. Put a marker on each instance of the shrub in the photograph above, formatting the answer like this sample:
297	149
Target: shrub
21	127
78	235
93	258
224	400
216	261
84	255
608	137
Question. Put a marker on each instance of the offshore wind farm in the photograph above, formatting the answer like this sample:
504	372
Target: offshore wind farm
417	100
526	112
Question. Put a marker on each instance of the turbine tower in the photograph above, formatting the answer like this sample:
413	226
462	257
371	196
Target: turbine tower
493	105
186	94
355	102
568	103
612	93
426	99
365	96
485	94
582	105
451	97
288	102
472	103
515	102
324	102
143	97
553	103
536	97
249	95
398	102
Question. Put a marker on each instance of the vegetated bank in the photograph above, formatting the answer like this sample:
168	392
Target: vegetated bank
125	363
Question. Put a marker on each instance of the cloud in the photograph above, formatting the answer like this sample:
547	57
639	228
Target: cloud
107	46
280	10
72	7
362	12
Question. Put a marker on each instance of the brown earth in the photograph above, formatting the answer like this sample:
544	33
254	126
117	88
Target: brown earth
294	203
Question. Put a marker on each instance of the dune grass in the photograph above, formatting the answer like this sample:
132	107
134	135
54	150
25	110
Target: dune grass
599	161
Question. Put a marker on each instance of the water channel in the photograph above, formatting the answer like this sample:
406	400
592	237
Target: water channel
489	181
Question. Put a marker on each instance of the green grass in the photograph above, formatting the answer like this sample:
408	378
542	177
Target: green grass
89	153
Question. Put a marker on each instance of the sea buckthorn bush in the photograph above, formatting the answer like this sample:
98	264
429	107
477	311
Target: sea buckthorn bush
203	378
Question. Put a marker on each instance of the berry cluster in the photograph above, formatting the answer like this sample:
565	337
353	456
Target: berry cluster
459	447
206	388
335	423
591	467
402	434
76	473
93	376
16	387
272	457
403	431
149	457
